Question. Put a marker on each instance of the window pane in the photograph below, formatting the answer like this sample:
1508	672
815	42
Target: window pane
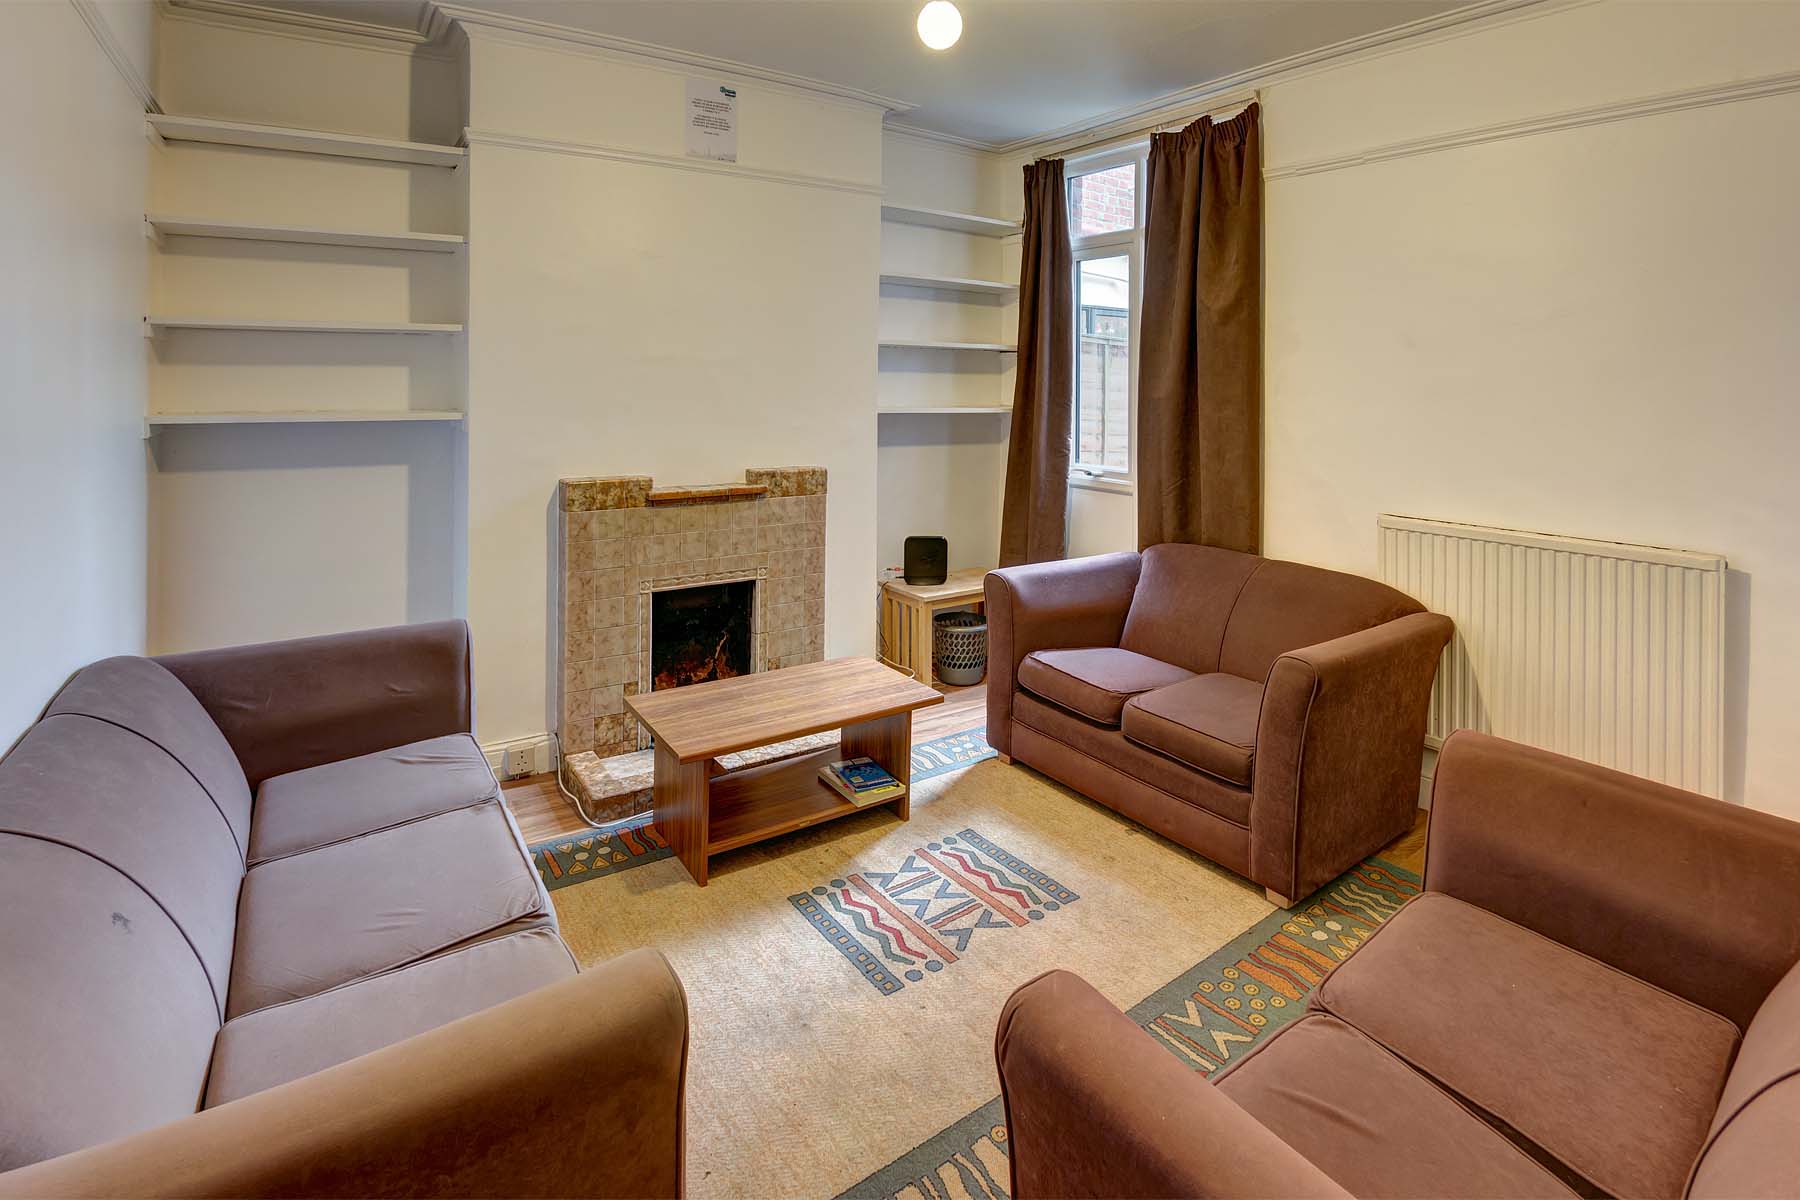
1103	393
1103	202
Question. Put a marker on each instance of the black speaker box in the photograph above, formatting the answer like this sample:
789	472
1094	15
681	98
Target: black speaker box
927	559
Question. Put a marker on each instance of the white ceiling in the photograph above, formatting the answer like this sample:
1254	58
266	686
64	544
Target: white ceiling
1023	67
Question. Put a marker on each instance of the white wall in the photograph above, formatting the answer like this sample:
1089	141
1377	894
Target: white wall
1587	331
271	531
944	475
635	312
72	358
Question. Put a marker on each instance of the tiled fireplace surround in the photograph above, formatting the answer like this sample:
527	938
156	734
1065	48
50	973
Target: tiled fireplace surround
624	538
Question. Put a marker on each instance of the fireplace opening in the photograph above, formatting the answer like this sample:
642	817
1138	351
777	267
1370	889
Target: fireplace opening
700	633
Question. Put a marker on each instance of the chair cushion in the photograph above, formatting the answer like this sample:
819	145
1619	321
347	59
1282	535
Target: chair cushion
287	1041
1744	1156
1373	1124
313	920
1095	681
1184	598
142	696
1208	722
106	1019
304	810
106	791
1612	1078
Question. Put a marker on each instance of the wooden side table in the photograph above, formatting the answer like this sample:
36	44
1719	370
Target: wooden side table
906	612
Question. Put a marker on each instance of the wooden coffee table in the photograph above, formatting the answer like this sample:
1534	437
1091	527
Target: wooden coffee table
703	810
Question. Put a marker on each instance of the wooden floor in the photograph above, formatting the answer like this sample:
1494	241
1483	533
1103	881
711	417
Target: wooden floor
543	812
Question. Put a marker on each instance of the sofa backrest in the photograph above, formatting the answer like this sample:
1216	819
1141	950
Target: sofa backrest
1183	601
1207	609
1751	1149
1287	605
121	814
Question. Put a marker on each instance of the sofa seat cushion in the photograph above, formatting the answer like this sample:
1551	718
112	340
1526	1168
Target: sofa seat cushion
287	1041
304	810
1095	681
1372	1123
1207	722
313	920
1612	1078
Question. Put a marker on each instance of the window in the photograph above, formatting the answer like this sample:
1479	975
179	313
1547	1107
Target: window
1105	229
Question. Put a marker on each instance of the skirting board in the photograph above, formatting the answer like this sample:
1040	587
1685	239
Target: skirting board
519	757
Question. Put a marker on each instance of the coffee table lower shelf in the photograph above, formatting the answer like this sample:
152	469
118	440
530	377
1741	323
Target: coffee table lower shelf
758	803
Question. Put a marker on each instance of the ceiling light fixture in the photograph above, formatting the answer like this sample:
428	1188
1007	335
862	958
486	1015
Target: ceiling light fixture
940	24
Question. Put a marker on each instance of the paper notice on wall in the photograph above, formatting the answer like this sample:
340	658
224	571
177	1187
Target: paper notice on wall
711	120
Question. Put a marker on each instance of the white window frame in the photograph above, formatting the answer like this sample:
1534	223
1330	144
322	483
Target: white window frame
1130	244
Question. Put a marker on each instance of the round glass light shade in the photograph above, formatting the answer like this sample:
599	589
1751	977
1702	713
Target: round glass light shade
940	24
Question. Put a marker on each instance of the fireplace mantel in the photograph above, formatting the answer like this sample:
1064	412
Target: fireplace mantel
623	539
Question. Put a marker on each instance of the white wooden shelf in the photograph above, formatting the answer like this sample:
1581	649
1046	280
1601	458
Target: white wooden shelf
302	417
945	409
938	218
951	283
442	243
304	141
992	347
158	324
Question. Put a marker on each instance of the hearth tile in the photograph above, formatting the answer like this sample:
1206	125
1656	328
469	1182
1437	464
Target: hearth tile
812	560
815	508
578	644
619	639
576	616
784	643
610	582
581	673
634	522
615	669
578	705
608	701
812	587
611	491
812	610
691	544
613	610
613	552
580	556
576	736
581	526
785	616
813	642
810	534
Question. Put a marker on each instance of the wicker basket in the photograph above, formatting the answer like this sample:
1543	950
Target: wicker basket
959	647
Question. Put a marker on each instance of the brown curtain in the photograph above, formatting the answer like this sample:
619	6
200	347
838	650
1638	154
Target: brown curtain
1034	517
1199	456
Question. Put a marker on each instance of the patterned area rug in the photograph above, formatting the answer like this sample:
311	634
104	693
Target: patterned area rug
843	982
1210	1016
586	856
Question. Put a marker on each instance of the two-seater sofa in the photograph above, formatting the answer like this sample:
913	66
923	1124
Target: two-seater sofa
1597	994
1266	714
266	928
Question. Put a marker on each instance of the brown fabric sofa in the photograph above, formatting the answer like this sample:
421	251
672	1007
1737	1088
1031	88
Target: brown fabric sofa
269	930
1266	714
1596	995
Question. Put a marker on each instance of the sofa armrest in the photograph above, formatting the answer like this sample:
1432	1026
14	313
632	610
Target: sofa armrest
1094	1107
484	1106
1691	894
1042	606
288	705
1339	744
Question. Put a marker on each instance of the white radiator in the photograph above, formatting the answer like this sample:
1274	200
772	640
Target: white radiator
1609	652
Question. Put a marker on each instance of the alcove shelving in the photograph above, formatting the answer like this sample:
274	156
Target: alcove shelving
348	243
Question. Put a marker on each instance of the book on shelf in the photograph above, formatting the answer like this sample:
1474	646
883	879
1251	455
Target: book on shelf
875	787
862	773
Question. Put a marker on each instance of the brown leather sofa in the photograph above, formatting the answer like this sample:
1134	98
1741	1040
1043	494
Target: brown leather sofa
1266	714
1596	995
269	930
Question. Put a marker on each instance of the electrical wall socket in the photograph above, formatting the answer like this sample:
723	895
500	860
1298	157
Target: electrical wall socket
523	758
